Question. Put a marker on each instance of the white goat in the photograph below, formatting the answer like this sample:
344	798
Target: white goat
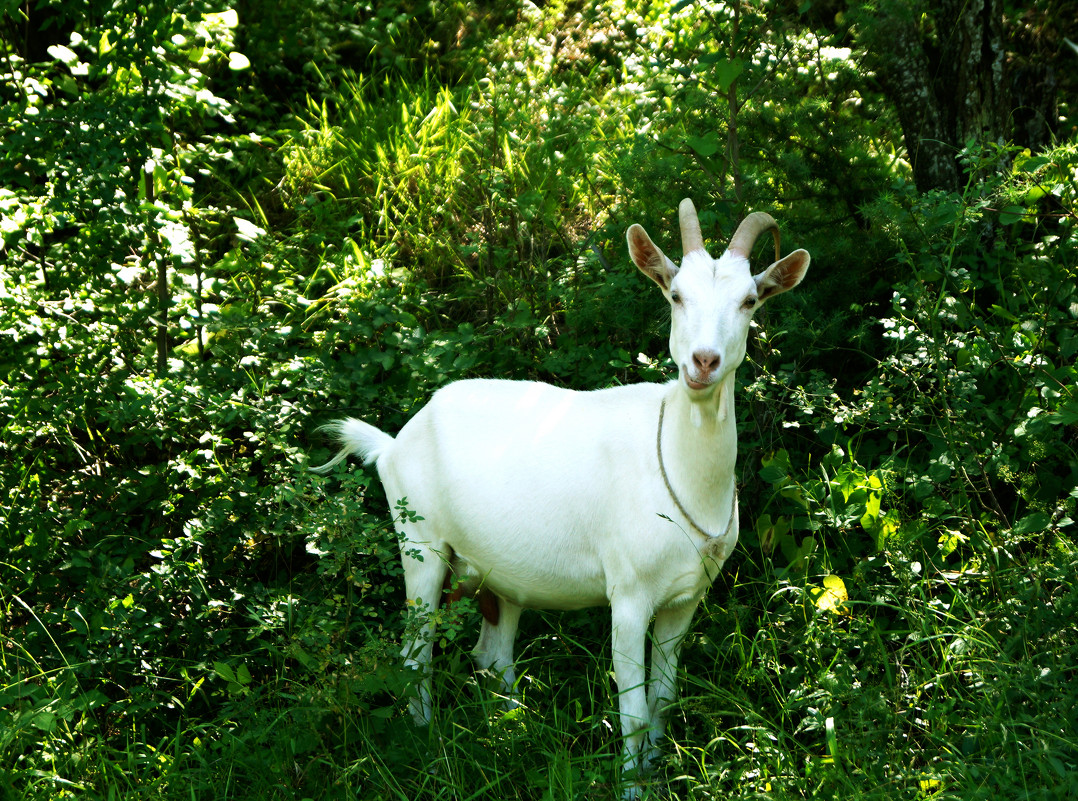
547	498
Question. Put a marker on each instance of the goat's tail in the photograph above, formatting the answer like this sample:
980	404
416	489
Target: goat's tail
356	437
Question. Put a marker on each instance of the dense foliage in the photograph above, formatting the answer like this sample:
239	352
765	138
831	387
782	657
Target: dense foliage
220	228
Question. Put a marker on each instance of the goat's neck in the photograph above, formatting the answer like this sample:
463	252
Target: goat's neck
699	446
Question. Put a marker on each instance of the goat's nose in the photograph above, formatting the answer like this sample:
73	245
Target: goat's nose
705	361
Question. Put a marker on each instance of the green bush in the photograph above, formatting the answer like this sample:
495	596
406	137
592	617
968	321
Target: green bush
193	281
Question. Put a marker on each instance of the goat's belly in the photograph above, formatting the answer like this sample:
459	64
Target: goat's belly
525	585
540	597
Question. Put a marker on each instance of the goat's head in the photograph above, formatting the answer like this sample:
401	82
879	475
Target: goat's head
712	300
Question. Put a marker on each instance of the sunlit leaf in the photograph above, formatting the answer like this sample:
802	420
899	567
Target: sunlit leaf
248	231
238	61
949	541
832	596
1031	164
227	18
64	54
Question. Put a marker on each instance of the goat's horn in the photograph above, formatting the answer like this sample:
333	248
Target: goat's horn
690	227
751	227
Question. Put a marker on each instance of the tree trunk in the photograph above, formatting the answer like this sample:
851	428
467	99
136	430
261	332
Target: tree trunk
942	67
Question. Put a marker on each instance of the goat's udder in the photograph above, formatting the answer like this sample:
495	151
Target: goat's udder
484	598
488	606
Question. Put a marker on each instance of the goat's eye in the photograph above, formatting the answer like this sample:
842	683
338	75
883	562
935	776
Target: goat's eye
675	297
750	303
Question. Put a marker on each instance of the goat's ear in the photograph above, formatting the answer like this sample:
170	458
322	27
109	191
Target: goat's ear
782	275
648	258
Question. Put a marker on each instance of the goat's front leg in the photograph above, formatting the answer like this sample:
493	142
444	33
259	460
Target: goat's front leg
630	624
671	625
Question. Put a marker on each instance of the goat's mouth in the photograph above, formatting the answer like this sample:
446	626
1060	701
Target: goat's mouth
697	386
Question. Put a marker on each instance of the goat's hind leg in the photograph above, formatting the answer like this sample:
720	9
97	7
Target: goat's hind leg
425	571
494	651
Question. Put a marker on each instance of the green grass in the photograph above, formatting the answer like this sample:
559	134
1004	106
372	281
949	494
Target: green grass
930	687
187	614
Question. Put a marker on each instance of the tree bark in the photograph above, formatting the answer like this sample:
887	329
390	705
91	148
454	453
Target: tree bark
942	65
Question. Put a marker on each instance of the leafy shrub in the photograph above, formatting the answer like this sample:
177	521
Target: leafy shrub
186	297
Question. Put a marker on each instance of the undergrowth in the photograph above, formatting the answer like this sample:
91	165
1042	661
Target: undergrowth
186	612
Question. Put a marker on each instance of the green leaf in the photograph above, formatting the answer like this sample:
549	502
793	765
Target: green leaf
1038	521
796	554
44	721
1033	194
706	145
1012	214
1066	415
727	71
530	203
1032	164
1002	312
773	474
299	654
